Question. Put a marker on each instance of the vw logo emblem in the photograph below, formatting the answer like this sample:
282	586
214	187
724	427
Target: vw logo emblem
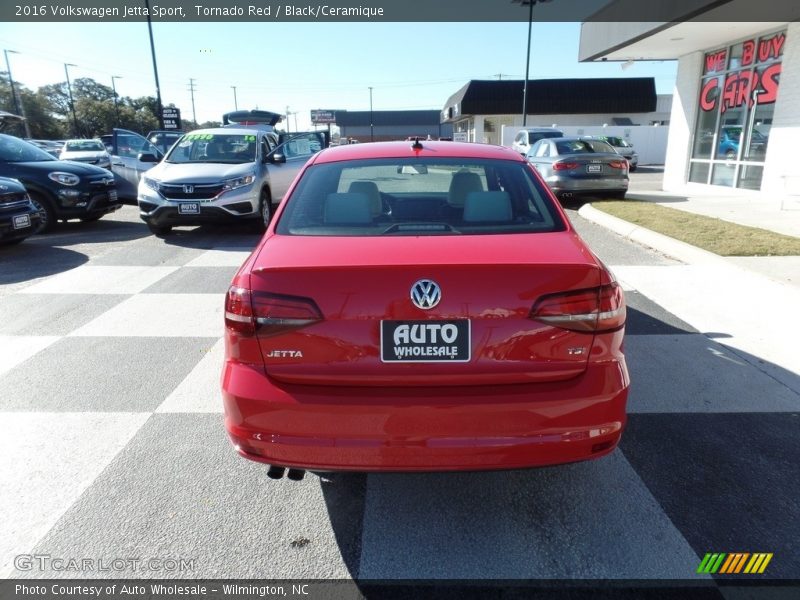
188	189
425	294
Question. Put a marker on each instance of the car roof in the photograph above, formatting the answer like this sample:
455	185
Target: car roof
430	149
225	131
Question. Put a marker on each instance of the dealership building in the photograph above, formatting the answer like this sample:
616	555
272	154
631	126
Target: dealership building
735	117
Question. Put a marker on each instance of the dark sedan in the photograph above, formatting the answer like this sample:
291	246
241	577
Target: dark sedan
574	166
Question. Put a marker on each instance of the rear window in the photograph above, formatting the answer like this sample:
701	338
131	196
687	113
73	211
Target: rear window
418	197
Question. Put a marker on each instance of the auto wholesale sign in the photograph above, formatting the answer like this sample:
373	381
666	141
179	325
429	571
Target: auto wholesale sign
321	117
171	117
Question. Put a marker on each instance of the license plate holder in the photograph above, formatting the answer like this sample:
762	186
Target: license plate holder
21	221
594	168
189	208
428	341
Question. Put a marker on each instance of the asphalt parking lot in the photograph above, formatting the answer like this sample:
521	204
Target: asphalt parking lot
113	447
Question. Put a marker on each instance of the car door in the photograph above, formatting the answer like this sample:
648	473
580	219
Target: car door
286	160
125	147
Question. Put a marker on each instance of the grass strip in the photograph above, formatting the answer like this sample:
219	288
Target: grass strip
715	235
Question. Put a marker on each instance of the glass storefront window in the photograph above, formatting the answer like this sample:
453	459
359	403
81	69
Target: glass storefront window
737	100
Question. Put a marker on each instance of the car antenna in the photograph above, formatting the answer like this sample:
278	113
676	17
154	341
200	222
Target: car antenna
417	145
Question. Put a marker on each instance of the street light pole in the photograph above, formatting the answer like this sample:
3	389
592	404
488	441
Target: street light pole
18	106
114	87
371	124
155	67
235	102
71	103
530	4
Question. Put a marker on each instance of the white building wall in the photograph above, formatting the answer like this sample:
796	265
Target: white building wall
782	169
682	119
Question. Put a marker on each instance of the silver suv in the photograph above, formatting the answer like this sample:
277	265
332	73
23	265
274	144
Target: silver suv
223	174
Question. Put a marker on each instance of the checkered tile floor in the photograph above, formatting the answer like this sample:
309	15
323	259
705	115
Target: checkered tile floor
112	446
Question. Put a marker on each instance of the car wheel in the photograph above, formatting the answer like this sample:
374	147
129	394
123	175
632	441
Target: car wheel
265	209
159	230
632	168
47	214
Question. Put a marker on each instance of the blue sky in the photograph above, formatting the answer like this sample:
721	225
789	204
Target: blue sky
303	65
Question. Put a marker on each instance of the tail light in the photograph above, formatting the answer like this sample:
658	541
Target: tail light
618	164
564	166
248	312
594	310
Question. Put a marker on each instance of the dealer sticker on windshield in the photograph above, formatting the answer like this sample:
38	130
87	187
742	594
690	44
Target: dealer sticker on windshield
425	341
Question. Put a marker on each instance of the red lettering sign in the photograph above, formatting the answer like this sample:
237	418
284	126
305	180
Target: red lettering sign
771	47
709	94
748	52
769	84
716	61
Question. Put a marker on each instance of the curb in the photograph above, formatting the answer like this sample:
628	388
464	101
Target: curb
670	246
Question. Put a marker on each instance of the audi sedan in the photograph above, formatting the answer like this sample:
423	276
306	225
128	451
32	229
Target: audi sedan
580	167
422	306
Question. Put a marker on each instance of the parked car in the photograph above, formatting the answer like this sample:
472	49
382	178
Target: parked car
126	147
19	218
224	174
60	189
50	146
730	138
573	166
163	139
422	307
526	138
92	152
622	146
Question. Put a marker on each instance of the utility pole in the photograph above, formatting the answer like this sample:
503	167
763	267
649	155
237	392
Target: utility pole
529	4
287	119
191	91
160	107
18	105
71	103
371	124
114	88
235	101
500	76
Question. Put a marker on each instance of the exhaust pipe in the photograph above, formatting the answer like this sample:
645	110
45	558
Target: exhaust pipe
296	474
275	472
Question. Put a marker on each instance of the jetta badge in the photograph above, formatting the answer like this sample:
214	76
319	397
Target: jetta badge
425	294
188	189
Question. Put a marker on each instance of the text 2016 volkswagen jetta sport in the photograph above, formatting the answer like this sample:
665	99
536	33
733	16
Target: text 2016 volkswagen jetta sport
422	307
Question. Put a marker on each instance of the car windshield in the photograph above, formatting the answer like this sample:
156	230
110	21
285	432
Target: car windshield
577	147
600	146
412	196
618	141
214	148
84	146
15	150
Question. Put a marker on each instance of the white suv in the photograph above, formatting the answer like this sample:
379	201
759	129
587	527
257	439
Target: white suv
221	175
530	135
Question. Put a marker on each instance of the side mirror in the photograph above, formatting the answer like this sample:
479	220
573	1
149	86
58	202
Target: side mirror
148	157
277	158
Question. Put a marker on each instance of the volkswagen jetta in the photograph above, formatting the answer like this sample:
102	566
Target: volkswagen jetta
422	307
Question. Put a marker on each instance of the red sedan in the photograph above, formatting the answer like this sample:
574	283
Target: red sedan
422	306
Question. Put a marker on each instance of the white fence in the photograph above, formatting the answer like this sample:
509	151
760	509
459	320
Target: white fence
650	142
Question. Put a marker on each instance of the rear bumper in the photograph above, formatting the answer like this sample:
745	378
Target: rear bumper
425	429
586	186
